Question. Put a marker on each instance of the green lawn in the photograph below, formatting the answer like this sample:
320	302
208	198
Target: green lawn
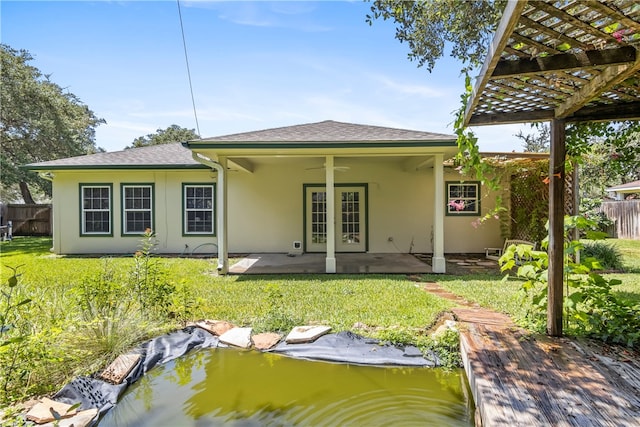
85	310
506	296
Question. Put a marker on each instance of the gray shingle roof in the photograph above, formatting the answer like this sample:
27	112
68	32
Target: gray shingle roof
174	155
332	131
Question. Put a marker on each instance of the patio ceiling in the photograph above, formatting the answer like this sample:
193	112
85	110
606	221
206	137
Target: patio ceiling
573	60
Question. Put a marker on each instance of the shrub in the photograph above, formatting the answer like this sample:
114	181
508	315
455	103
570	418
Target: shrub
276	318
608	256
590	307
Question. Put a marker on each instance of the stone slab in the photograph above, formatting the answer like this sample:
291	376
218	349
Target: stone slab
304	334
266	340
81	419
216	327
237	337
118	370
41	412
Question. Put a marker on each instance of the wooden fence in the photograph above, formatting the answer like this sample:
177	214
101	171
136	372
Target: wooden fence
626	216
30	220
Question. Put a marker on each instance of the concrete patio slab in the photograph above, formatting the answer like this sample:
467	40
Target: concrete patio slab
314	263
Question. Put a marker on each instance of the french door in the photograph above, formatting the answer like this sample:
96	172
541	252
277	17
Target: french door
350	215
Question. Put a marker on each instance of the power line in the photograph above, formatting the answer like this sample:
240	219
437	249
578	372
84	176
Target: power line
186	59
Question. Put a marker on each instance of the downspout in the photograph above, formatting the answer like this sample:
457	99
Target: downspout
223	256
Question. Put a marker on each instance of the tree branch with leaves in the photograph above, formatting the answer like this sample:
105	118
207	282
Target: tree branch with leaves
39	121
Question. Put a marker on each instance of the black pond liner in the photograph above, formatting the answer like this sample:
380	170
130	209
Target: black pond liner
343	347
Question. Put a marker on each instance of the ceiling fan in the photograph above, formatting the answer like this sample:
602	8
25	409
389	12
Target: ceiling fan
335	168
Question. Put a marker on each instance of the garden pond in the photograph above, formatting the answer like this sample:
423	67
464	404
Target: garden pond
227	386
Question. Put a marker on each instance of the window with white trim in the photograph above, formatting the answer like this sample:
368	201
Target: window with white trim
95	216
199	205
137	208
463	198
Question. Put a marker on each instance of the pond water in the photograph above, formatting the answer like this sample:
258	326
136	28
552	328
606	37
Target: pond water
230	387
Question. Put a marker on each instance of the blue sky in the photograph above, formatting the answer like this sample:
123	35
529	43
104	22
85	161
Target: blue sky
254	65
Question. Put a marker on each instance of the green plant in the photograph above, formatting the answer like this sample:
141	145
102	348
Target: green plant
590	208
149	279
184	303
111	319
446	346
276	318
591	308
608	256
14	334
396	335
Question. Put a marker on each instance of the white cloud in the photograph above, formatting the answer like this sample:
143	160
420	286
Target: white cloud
407	88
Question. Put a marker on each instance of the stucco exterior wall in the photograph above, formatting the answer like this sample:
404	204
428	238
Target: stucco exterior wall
465	234
266	212
168	211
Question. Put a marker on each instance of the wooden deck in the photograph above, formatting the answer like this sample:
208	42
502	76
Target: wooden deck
523	380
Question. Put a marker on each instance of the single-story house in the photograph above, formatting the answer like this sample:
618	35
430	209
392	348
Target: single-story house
323	187
620	192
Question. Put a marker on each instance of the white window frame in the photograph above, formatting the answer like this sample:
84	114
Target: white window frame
461	196
126	211
94	209
187	210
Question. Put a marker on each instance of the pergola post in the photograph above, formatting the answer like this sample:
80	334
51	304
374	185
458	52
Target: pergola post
556	228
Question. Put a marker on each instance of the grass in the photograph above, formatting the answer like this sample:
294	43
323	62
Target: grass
84	310
506	297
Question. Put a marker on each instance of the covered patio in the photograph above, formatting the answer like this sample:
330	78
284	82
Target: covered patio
314	263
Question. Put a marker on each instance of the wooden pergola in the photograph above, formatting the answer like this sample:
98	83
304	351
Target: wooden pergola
560	61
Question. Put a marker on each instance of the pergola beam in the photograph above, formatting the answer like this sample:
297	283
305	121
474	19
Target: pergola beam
553	33
500	40
603	113
599	84
564	62
564	16
597	113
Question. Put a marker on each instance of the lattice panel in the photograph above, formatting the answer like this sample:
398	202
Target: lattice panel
529	207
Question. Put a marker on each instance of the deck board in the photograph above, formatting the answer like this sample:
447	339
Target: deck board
522	380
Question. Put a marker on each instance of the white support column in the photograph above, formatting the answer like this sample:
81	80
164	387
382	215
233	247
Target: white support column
330	262
438	264
221	222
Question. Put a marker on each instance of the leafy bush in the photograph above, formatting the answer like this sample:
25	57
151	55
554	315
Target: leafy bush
590	209
590	306
14	336
149	280
446	346
276	318
608	256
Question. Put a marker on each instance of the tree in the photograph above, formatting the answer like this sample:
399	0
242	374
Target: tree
538	142
173	133
468	27
428	25
608	154
39	121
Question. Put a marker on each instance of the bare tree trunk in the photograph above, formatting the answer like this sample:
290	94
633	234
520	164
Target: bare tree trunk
26	193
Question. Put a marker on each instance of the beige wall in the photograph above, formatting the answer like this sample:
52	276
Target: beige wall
265	212
465	234
168	211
